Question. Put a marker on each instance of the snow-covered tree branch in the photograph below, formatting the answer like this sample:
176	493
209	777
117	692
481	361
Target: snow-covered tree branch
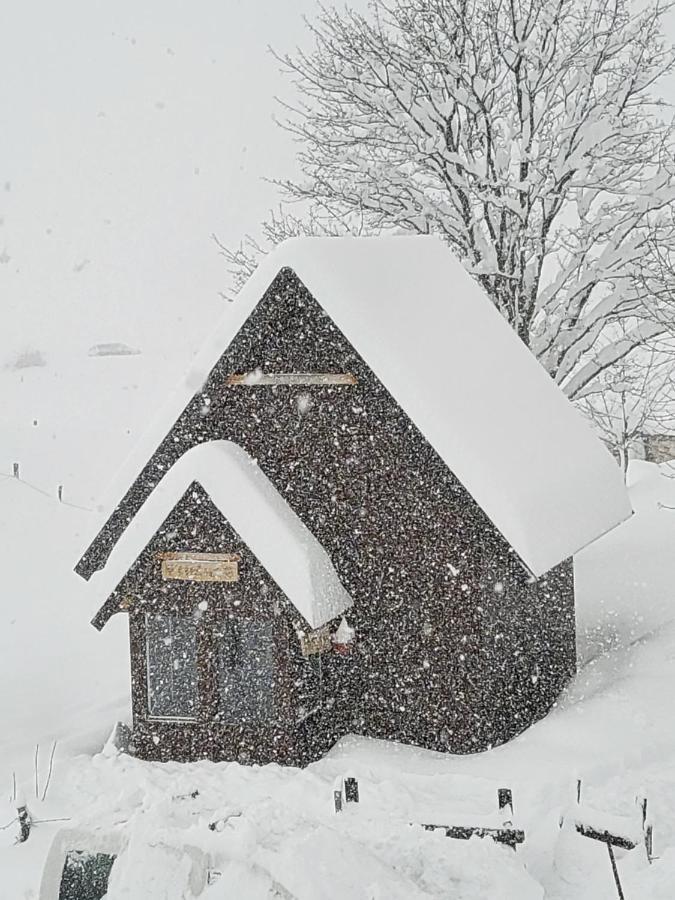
527	134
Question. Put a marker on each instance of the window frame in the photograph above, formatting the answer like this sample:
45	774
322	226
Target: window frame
267	607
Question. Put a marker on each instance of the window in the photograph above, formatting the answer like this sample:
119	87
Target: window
246	668
172	666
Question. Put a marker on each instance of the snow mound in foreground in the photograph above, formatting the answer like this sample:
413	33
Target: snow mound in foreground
272	832
612	728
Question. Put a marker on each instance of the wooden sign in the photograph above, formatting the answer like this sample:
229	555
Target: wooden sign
200	566
317	641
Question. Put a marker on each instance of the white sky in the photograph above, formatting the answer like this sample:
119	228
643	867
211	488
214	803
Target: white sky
129	133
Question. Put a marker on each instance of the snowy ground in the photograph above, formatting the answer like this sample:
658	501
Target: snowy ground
61	680
280	836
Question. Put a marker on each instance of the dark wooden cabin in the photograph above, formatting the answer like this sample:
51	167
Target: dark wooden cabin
232	603
394	414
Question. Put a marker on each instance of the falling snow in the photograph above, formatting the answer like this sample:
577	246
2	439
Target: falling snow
365	568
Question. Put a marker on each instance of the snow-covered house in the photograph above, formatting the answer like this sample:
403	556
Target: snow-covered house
358	513
221	628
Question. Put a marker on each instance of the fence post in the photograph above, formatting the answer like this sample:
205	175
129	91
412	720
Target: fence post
649	843
505	801
337	795
24	823
648	829
351	790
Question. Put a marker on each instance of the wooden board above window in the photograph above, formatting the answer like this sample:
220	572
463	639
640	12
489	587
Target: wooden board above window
293	379
186	566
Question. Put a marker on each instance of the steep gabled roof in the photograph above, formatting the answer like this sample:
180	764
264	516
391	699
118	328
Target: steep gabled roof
258	513
459	372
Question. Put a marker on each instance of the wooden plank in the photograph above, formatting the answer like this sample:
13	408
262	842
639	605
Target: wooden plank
509	836
199	570
193	554
251	379
616	840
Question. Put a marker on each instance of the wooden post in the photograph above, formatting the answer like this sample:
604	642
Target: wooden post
351	790
505	801
649	843
578	790
615	871
337	795
648	830
642	804
24	823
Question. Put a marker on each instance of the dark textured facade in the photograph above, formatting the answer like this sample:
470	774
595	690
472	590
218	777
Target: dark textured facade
457	647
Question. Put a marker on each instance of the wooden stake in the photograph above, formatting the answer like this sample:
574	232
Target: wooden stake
338	794
642	803
49	773
505	801
647	829
615	871
649	843
351	790
24	823
337	800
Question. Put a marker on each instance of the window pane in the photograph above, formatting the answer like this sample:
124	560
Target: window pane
172	665
246	671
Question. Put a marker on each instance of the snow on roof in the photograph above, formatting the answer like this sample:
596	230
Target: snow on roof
257	512
461	374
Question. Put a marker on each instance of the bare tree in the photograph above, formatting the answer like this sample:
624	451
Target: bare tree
634	399
243	260
525	132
